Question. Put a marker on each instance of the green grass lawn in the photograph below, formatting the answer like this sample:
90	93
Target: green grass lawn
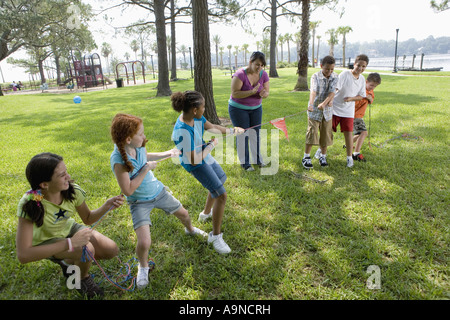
292	238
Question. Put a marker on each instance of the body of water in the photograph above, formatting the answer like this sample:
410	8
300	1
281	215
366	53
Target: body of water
429	61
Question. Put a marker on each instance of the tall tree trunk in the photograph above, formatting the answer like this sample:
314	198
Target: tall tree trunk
202	58
302	71
163	88
273	41
343	51
312	52
58	68
173	42
41	71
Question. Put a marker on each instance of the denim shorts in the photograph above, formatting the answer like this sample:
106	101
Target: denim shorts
212	177
140	209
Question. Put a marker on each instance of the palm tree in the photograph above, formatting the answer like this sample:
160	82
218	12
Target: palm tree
216	39
281	41
245	50
221	56
343	31
169	50
298	39
288	38
313	26
134	45
302	66
332	40
318	45
183	50
236	52
229	47
106	51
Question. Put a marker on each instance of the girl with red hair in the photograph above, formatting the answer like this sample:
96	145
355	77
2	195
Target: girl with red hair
133	166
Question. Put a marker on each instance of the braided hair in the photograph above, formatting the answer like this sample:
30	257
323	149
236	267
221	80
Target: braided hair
124	126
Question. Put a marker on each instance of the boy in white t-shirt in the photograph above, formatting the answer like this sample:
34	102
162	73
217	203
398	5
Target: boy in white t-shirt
350	88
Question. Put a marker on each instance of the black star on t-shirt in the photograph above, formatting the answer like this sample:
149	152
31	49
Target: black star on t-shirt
60	214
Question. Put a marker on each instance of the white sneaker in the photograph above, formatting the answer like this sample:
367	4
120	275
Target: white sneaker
196	231
218	243
349	162
202	217
142	277
317	154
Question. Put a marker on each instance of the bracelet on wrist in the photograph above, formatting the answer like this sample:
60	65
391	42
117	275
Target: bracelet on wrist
69	241
210	145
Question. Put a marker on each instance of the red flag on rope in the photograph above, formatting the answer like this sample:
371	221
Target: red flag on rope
280	124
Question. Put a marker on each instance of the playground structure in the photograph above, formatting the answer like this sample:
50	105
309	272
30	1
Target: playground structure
124	64
86	71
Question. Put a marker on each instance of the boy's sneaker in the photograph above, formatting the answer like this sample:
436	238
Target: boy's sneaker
142	277
349	162
89	288
218	243
359	157
317	154
323	161
248	169
195	232
306	162
202	217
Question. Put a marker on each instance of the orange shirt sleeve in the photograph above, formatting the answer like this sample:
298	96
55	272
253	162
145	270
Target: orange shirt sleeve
361	106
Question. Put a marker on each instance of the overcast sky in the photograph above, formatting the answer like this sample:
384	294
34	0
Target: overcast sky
370	20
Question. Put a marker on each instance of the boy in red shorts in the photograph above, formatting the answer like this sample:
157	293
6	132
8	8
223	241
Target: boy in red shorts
350	88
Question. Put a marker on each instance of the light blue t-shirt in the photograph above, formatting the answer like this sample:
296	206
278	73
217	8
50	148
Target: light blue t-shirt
189	138
150	186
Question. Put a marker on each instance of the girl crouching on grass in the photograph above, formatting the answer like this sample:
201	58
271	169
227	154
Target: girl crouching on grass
133	166
196	159
46	228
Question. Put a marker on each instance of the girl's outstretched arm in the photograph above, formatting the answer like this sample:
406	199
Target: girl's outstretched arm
216	128
91	216
155	156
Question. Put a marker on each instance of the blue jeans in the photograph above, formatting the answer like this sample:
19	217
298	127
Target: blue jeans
212	177
246	119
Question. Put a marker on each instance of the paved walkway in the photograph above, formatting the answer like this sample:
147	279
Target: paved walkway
75	90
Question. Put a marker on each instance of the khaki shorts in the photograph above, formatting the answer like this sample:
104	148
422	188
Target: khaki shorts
324	128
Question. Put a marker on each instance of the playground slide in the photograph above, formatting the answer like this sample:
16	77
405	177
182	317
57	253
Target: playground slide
107	79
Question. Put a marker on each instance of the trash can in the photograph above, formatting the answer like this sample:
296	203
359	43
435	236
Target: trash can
119	83
350	65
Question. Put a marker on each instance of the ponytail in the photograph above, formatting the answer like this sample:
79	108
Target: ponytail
33	207
184	101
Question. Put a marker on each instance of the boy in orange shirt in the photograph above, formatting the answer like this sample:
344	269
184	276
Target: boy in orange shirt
359	127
